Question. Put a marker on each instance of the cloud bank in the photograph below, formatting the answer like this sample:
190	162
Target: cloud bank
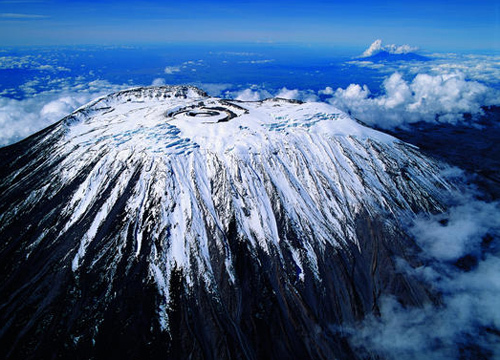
441	98
21	118
462	263
483	68
377	47
30	62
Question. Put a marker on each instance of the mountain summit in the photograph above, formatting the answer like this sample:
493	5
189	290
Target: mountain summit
377	52
163	223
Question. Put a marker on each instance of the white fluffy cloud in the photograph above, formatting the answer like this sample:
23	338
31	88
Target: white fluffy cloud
255	93
429	98
326	91
288	94
377	47
158	82
249	95
21	118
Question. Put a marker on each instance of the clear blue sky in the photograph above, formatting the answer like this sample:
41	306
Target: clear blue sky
429	24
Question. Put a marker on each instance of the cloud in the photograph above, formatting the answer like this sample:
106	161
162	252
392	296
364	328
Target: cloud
215	89
455	234
234	53
191	64
199	62
172	70
255	93
28	62
303	95
377	47
483	68
14	16
52	68
21	118
60	107
443	98
374	48
263	61
158	82
462	263
326	91
249	95
371	65
288	94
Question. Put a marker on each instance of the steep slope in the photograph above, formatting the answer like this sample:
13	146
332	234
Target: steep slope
162	223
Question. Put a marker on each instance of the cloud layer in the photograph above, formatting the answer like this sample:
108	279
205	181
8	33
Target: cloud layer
21	118
462	263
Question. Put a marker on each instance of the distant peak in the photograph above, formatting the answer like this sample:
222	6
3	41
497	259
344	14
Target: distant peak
377	47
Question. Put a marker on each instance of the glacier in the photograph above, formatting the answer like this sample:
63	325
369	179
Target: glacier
160	221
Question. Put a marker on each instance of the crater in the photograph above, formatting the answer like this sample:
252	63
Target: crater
215	112
202	113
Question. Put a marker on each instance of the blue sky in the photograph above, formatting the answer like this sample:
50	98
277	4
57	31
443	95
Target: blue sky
431	25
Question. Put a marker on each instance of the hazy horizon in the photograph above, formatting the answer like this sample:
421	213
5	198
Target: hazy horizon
430	25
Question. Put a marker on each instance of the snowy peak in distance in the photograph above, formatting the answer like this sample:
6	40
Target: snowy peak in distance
391	52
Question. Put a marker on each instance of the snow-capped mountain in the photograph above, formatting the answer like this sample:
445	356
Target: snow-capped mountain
162	223
377	52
